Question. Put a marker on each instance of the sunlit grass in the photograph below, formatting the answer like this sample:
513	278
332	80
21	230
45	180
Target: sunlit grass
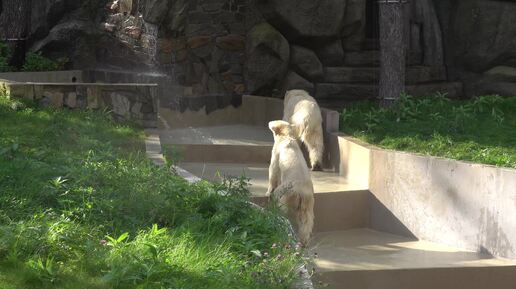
481	130
82	207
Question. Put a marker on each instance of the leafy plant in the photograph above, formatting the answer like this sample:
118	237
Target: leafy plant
5	54
37	62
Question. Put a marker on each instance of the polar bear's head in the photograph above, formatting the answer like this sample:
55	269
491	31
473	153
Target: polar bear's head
281	128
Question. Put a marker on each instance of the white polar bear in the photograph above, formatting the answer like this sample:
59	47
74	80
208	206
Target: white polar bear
290	181
303	112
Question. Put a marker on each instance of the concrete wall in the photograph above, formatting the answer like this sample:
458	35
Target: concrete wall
462	204
45	76
248	110
135	102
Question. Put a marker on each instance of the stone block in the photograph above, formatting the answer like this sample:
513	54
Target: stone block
231	42
121	105
71	100
93	97
55	98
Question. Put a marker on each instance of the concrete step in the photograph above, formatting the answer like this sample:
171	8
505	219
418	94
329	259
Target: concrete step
362	58
230	144
353	91
339	205
368	259
415	74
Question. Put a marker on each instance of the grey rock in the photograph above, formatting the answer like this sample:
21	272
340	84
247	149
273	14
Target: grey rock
306	63
268	55
362	58
424	13
295	81
506	73
353	32
121	105
488	86
331	54
155	10
483	34
304	18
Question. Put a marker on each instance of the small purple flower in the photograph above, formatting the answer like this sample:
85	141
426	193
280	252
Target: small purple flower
103	242
265	254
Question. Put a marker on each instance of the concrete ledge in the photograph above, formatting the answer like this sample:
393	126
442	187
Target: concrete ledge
432	278
465	205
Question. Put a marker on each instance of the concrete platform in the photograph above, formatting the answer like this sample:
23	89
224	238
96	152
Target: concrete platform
218	135
324	182
226	143
364	258
339	205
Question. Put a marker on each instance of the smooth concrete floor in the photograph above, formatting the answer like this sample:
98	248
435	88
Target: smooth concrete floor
365	249
324	182
218	135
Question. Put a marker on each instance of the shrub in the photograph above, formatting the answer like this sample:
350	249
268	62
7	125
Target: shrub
5	54
37	62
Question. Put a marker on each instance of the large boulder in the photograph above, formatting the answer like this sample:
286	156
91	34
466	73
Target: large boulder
353	31
304	18
47	13
332	53
155	11
268	55
424	15
484	34
295	81
306	63
73	39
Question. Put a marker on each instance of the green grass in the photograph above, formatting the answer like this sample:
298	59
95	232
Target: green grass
82	207
481	130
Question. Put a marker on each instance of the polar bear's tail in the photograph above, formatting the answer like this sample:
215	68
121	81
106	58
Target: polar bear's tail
305	217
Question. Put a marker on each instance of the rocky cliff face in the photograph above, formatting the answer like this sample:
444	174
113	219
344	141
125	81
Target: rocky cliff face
480	44
219	48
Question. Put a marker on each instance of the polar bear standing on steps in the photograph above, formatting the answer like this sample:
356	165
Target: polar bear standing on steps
303	112
290	181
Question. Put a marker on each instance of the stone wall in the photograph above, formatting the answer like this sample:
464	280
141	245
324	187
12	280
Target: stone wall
134	102
202	48
214	51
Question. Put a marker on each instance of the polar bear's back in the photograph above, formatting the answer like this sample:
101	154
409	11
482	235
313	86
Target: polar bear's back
301	109
292	163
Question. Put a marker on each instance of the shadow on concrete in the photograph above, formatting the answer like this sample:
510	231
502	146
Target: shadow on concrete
382	219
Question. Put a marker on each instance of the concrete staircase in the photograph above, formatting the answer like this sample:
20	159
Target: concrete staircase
350	253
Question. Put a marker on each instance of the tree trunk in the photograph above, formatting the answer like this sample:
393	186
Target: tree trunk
392	51
14	24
